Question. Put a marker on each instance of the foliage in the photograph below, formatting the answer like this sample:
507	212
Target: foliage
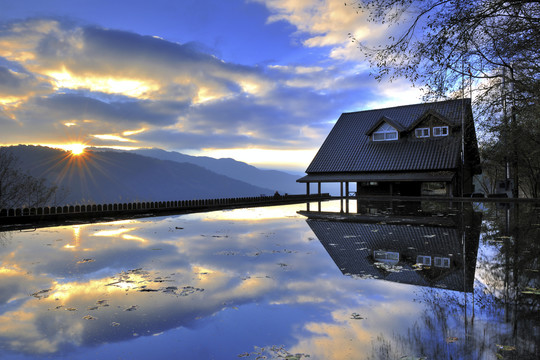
443	41
489	47
19	189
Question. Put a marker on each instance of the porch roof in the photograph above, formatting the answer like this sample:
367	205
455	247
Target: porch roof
446	176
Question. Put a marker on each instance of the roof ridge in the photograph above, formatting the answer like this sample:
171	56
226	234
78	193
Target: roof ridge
409	105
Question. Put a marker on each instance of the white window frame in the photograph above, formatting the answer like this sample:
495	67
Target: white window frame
424	260
442	131
442	262
421	132
385	132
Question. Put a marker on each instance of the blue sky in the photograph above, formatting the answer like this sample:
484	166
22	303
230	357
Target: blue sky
261	81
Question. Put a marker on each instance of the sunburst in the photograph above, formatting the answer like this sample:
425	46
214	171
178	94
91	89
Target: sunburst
76	149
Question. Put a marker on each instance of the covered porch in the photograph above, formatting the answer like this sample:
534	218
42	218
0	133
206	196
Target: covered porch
440	183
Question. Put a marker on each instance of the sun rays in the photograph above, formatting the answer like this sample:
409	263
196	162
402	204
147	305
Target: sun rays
76	149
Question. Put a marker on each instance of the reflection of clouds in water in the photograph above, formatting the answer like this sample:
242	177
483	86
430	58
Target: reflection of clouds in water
114	309
109	289
86	293
351	331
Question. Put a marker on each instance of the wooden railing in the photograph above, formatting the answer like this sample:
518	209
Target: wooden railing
66	212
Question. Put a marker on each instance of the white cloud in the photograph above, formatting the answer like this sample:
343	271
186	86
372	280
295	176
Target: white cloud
326	23
108	81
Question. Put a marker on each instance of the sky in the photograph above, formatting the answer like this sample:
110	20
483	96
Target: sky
260	81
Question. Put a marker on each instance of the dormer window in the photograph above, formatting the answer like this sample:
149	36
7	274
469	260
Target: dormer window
440	131
385	133
421	132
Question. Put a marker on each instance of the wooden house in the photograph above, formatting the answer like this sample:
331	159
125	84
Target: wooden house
413	150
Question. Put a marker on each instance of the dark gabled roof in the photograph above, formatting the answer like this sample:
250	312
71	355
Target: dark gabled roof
348	149
435	113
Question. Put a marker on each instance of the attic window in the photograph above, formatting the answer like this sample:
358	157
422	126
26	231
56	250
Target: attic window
421	132
440	131
385	133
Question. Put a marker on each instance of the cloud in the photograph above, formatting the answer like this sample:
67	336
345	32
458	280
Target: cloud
104	82
326	23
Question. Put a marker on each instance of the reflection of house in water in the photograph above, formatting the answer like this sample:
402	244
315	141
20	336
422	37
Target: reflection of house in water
425	250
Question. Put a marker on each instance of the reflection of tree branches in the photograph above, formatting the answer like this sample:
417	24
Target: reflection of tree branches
498	318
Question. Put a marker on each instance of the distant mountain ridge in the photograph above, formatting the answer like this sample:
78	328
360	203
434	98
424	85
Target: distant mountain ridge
272	179
112	176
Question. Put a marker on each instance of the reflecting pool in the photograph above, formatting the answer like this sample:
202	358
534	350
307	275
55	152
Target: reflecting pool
394	280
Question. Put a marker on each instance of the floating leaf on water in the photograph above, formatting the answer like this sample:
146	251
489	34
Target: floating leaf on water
188	290
85	261
89	317
243	355
132	308
115	324
92	308
451	339
41	293
71	309
506	347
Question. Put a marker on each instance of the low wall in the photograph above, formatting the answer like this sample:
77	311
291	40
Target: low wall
70	212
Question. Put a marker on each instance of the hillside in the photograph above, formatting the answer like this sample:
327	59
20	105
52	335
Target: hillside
271	179
109	176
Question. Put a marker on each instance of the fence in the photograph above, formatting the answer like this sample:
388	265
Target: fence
55	213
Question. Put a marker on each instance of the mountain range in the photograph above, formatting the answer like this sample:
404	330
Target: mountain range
270	179
147	175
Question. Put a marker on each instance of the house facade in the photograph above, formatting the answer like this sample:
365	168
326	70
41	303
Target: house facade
414	150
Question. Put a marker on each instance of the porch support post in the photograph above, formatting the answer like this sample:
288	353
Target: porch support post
347	196
357	195
341	195
319	192
307	193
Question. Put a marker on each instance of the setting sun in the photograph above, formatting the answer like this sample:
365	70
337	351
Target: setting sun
77	149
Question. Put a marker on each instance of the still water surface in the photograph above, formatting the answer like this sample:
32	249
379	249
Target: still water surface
385	281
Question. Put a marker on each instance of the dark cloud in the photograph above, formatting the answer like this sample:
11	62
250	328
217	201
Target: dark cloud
15	84
70	107
177	139
109	81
